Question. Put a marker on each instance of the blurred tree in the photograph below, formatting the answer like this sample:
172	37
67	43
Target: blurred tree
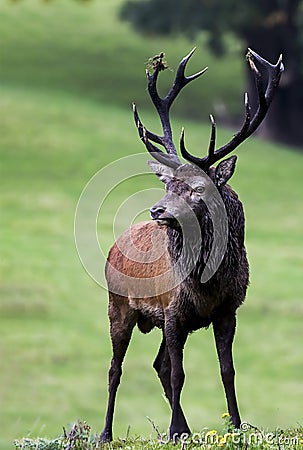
269	27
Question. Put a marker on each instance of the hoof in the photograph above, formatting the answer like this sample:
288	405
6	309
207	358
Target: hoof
106	436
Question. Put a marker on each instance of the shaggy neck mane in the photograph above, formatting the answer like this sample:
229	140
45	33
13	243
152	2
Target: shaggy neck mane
198	248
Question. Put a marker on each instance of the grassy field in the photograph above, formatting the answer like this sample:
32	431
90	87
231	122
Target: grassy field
68	75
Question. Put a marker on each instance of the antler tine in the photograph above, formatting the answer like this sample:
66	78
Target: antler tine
185	153
181	80
140	126
212	141
238	138
169	160
145	136
163	105
265	95
211	148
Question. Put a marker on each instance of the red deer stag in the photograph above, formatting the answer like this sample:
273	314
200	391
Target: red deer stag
148	285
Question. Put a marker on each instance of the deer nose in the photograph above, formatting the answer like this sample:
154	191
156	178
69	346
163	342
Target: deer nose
156	211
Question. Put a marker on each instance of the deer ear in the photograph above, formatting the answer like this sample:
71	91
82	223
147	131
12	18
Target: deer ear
225	170
165	173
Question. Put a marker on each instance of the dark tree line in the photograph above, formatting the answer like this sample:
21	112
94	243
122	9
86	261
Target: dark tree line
269	27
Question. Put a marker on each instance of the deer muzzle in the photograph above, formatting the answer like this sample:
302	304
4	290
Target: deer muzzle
159	213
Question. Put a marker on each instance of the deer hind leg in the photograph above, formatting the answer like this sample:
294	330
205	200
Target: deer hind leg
224	331
162	365
122	321
163	368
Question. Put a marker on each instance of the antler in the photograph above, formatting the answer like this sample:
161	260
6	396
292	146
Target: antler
163	105
266	91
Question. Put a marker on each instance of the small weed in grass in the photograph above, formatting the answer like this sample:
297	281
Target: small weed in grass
39	444
79	437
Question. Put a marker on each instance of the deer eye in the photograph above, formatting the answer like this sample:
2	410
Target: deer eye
200	189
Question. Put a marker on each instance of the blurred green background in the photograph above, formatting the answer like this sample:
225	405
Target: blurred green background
69	73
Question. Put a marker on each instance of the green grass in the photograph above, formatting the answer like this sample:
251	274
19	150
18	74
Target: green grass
87	51
65	95
80	436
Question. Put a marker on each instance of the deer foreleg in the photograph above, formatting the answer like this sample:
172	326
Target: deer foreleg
175	341
121	328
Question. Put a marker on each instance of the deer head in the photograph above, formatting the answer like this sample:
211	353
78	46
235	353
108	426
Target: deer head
196	178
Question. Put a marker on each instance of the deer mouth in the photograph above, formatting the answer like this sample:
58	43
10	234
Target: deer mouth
167	221
163	221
